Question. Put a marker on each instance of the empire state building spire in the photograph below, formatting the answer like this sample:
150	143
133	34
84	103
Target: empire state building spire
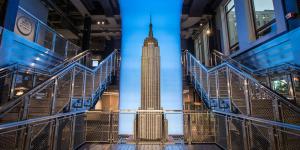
150	28
150	39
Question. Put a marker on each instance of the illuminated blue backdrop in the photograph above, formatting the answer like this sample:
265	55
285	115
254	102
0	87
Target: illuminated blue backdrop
166	26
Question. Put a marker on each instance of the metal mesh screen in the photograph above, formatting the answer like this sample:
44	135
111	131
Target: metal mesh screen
221	128
199	128
40	139
64	134
40	102
261	139
98	127
236	134
289	139
11	138
80	126
261	102
63	91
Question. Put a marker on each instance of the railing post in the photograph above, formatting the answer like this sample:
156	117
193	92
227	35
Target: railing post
93	86
54	142
247	97
201	81
189	64
110	70
53	41
66	49
73	78
189	129
106	78
208	89
100	74
274	139
217	88
72	139
228	135
276	110
52	111
25	108
229	88
245	135
110	128
27	144
115	59
13	83
84	87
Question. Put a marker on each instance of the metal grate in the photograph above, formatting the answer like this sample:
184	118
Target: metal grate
98	127
221	135
236	134
199	127
64	133
11	138
40	136
80	124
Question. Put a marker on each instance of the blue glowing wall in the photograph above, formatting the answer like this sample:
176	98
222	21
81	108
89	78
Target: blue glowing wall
166	26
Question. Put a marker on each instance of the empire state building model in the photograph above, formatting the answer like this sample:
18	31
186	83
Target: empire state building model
150	123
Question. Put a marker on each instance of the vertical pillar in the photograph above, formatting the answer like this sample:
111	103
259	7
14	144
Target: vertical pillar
11	10
86	33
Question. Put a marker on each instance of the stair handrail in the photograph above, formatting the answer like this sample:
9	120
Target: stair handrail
246	75
10	105
226	58
40	119
255	119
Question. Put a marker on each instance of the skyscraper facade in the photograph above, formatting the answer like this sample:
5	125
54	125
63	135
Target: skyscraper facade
150	123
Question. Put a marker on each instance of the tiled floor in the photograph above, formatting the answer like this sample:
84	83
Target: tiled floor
149	147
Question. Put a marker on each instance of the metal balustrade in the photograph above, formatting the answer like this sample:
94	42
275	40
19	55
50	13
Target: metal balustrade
73	129
45	36
227	87
17	79
72	87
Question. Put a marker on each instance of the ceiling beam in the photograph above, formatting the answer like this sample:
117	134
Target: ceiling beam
80	7
67	22
106	5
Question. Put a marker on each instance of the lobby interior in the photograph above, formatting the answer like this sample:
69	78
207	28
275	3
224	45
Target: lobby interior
150	74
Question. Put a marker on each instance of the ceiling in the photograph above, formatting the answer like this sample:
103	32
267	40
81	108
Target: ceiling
67	17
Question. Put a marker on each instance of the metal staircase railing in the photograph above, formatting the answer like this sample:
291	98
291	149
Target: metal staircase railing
9	75
227	87
73	129
72	87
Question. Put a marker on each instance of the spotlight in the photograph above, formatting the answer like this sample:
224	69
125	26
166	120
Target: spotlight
98	22
208	32
19	93
102	22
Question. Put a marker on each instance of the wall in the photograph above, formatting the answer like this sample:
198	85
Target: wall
36	8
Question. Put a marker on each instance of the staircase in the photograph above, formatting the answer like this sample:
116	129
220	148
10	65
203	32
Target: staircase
56	93
245	94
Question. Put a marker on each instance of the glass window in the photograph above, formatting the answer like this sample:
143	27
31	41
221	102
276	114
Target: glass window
264	17
231	24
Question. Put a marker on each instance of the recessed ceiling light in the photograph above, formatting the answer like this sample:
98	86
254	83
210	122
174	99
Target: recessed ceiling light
98	22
